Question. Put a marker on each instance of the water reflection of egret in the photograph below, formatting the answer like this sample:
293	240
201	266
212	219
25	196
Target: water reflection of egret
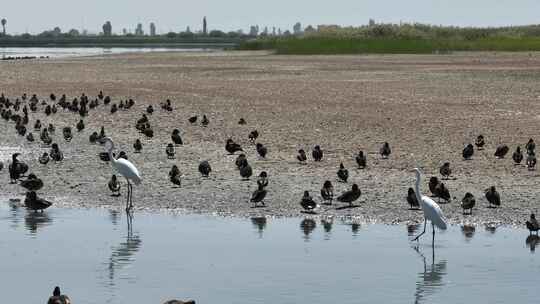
532	241
123	254
431	279
307	225
259	223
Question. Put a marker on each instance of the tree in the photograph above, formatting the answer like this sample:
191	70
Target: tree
73	33
217	33
205	29
107	29
4	22
171	35
297	28
152	29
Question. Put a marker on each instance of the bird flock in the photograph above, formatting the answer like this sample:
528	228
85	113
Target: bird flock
20	110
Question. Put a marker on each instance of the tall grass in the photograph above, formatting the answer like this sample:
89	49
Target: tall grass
324	45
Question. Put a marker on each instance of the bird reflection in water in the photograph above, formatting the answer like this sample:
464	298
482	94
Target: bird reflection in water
491	227
307	226
468	231
123	254
35	220
431	279
14	215
532	241
412	228
259	223
113	216
327	223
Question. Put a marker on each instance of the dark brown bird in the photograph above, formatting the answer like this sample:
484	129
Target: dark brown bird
412	200
530	146
532	224
468	152
493	197
137	146
445	170
327	193
261	150
114	186
317	153
501	151
350	196
193	119
433	182
170	151
301	157
32	183
517	156
232	147
343	174
385	150
253	135
32	202
176	138
480	142
204	168
361	160
468	202
258	196
175	176
307	202
531	161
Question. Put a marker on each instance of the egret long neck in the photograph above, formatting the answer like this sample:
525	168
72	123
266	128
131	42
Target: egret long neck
111	156
417	187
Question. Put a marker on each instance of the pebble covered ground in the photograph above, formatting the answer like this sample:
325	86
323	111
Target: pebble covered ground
426	106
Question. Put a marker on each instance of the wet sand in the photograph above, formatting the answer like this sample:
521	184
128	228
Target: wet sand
426	106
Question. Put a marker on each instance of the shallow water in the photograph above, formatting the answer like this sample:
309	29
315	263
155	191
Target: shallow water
96	257
59	52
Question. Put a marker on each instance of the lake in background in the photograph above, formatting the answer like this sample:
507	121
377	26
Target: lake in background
96	257
54	52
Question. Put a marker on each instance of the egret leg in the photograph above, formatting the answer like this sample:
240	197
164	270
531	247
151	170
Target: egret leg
433	239
130	196
418	236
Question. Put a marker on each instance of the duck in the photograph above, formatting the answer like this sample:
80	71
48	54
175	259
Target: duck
327	193
204	168
517	156
170	151
114	185
246	171
301	157
80	125
175	176
240	161
32	183
100	95
45	138
442	192
114	108
385	150
258	196
531	160
176	138
317	153
193	119
67	134
17	168
93	138
253	135
44	158
32	202
532	224
205	121
51	128
261	150
30	137
55	153
445	170
350	196
361	160
342	173
493	197
122	154
480	142
58	298
501	151
262	181
232	147
468	202
37	125
433	182
412	200
530	146
468	152
307	202
149	132
150	109
137	146
242	121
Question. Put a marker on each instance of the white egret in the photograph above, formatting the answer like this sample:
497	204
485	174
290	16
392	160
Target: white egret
432	211
126	169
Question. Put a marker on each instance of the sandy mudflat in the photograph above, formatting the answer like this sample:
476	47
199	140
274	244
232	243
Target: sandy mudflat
426	107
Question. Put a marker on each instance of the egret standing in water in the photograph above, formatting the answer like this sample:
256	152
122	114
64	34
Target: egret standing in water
126	169
432	211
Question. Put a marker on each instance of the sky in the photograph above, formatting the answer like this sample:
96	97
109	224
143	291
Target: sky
35	16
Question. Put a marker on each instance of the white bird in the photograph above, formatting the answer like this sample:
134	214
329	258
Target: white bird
432	211
126	169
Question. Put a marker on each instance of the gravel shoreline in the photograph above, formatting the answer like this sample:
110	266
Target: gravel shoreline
426	106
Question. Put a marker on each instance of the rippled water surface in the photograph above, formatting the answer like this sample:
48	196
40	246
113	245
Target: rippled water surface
97	257
56	52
